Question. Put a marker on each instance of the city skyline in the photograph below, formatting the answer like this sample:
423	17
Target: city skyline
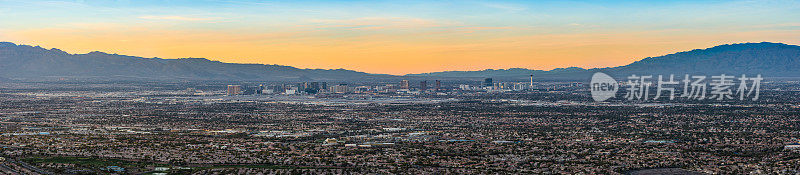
389	37
196	87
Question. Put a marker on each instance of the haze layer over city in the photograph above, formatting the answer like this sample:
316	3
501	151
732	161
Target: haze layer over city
399	87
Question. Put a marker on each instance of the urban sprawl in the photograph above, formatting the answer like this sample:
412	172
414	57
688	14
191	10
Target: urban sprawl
403	127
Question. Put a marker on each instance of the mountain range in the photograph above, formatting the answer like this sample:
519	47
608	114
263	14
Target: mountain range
768	59
34	63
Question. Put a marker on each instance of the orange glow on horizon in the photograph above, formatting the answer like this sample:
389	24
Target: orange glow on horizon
399	37
396	53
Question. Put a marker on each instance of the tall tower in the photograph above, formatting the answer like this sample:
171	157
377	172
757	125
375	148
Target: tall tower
438	85
531	80
423	85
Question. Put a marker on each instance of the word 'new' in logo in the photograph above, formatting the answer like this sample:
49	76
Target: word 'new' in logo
603	86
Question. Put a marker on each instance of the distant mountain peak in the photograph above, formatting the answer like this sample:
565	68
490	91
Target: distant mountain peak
567	69
7	44
752	45
97	53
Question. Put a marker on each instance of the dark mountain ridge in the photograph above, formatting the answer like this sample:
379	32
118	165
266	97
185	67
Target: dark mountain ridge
23	62
29	62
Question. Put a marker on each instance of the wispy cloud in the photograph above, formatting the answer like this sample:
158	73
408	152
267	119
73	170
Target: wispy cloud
506	7
778	26
176	18
368	23
488	28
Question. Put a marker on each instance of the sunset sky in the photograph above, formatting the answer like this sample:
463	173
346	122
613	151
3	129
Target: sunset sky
399	37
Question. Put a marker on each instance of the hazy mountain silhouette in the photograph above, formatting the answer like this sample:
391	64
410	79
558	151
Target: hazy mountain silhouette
767	59
36	63
22	62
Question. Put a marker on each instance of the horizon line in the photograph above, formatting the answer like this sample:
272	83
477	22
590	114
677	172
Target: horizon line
406	74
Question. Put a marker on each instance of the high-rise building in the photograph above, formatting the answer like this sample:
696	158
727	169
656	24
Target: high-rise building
487	82
309	87
503	86
342	88
260	89
302	86
362	89
234	89
519	86
438	85
312	87
423	85
404	84
274	89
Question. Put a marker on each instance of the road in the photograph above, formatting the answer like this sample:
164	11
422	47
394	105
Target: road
6	166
